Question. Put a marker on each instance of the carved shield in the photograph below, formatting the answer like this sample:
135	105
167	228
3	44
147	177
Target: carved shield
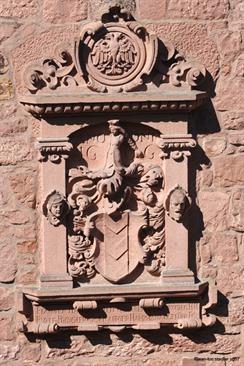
118	245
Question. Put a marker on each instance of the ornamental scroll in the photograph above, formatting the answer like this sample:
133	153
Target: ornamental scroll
115	106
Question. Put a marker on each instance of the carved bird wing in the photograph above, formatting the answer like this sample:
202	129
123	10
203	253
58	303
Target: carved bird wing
101	52
127	51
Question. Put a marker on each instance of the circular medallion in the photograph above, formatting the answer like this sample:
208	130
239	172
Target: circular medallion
116	56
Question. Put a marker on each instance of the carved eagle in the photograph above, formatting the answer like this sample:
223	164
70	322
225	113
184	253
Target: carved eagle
114	55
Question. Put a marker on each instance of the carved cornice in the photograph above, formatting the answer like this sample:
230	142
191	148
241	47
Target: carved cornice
53	149
137	103
176	146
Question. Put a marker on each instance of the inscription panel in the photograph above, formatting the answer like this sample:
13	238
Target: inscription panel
122	315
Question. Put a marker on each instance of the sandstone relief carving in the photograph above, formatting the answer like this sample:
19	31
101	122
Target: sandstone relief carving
115	56
55	208
177	203
114	108
111	188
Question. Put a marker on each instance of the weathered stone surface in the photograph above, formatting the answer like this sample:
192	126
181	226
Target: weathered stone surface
155	12
205	251
237	210
99	7
19	8
24	187
191	40
62	11
236	138
7	327
27	247
206	178
214	206
230	44
236	311
230	278
214	9
228	170
224	247
13	150
7	30
6	299
27	274
7	261
8	352
214	146
232	120
29	352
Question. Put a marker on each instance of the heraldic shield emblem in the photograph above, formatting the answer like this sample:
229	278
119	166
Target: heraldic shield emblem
118	242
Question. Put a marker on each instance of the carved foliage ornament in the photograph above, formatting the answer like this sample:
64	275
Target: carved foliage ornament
115	56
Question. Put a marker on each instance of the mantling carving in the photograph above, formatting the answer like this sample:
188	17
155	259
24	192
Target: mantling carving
112	187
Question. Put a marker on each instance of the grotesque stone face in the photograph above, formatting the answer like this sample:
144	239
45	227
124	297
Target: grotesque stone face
177	206
177	203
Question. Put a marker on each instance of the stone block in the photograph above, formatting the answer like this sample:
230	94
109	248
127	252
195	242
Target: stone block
230	278
13	150
62	11
7	326
232	120
8	266
24	187
214	146
228	170
224	247
214	207
155	11
204	10
192	40
19	8
8	352
237	210
6	299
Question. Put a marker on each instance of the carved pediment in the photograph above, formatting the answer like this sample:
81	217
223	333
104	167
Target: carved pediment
116	55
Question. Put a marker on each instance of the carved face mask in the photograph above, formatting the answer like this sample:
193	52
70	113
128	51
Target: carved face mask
57	209
177	205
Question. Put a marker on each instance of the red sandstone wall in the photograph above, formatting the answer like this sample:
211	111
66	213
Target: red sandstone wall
211	31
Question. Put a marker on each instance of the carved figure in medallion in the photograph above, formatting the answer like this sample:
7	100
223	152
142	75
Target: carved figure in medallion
55	208
177	203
